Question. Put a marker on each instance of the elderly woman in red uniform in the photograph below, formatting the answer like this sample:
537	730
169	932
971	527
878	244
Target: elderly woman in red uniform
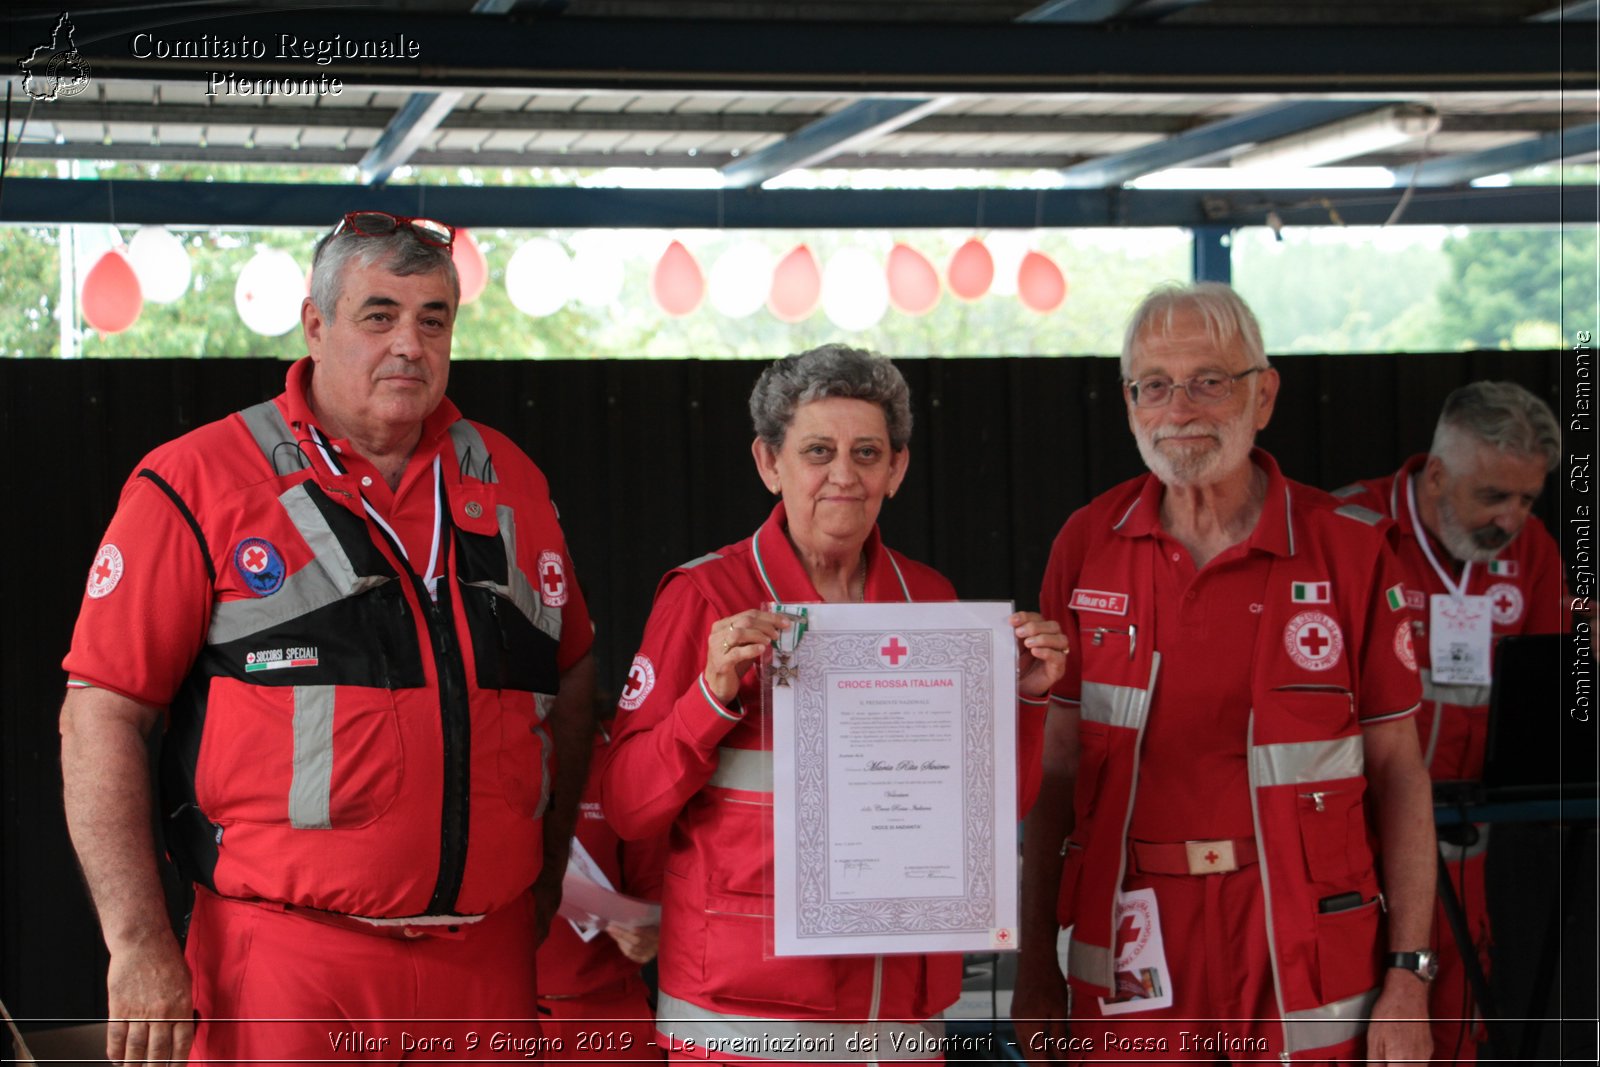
832	427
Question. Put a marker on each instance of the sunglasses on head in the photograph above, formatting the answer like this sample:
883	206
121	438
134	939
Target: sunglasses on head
381	224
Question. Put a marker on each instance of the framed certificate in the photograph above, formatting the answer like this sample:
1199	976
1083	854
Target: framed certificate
895	780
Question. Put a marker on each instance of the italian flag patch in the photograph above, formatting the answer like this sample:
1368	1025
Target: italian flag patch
1395	596
1504	568
1310	592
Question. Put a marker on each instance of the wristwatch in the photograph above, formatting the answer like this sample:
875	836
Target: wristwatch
1424	963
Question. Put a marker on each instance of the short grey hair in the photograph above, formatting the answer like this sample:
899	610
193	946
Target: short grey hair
832	370
1227	317
1502	415
401	252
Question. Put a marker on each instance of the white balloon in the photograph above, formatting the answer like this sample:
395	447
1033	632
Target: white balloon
855	289
539	277
1007	247
597	275
269	292
740	279
161	262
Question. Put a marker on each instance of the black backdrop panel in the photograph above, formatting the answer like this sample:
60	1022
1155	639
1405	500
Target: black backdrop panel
650	464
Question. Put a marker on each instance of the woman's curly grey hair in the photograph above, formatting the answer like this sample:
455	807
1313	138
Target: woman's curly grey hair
832	370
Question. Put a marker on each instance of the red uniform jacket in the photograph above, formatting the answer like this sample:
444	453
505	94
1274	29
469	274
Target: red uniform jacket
339	736
1527	595
683	761
1321	617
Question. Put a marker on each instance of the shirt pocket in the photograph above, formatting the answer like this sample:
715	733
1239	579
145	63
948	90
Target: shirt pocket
524	751
313	757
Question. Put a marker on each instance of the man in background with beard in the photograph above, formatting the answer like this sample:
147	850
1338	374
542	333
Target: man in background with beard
1476	570
1229	747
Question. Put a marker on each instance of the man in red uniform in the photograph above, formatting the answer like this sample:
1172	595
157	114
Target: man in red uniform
352	613
1476	570
1232	720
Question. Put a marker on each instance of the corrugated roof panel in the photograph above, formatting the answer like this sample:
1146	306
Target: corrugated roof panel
171	133
276	136
508	141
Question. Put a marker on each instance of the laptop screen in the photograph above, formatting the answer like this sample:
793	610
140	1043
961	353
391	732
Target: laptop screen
1535	746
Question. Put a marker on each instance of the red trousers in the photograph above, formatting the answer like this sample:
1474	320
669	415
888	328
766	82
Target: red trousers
272	986
613	1025
1224	1006
1456	1029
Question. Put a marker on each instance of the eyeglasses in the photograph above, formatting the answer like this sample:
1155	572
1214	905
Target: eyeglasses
382	224
1203	389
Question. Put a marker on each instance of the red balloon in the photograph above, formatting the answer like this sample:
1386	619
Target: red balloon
471	266
913	283
796	285
112	298
677	283
971	270
1040	283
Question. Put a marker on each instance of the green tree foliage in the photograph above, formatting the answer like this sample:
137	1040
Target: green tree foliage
1504	282
1352	290
31	267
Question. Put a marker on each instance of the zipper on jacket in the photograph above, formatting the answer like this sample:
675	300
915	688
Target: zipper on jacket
455	708
455	723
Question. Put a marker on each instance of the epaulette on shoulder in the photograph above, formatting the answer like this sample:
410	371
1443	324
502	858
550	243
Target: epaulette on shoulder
1359	513
1353	489
693	563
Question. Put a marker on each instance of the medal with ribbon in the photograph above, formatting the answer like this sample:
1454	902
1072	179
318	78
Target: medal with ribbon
783	670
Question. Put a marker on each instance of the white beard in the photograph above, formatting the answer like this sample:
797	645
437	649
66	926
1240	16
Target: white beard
1469	546
1191	465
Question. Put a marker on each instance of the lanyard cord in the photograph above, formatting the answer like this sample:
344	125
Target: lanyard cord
429	577
1456	590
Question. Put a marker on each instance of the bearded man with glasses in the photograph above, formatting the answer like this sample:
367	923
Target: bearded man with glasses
1230	749
351	614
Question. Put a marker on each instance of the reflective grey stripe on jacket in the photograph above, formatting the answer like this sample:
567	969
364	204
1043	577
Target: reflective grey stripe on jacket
1331	1024
1090	963
519	590
1306	761
1359	513
1115	705
472	455
272	435
327	579
809	1040
1472	696
749	769
312	783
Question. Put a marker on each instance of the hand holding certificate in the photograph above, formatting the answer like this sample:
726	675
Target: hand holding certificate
895	779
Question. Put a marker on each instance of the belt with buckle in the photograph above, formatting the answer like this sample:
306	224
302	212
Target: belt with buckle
397	931
1193	857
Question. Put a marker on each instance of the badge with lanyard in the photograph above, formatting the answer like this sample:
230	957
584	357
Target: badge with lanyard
1460	627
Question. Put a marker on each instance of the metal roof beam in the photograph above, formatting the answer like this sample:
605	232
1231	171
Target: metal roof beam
366	118
865	121
1580	139
1582	11
925	60
1208	141
861	123
1104	10
411	126
417	118
491	157
235	204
